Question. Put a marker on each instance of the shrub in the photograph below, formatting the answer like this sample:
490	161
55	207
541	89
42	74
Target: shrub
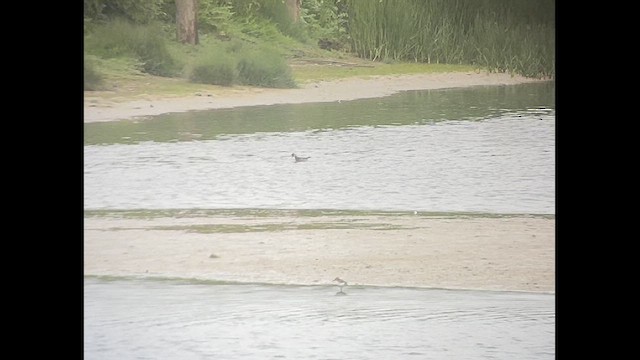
138	11
144	42
214	67
327	21
235	46
257	27
266	68
233	63
92	78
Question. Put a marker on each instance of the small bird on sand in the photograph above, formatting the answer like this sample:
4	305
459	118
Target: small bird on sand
341	283
299	158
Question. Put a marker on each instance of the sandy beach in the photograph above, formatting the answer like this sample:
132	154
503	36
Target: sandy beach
97	108
493	253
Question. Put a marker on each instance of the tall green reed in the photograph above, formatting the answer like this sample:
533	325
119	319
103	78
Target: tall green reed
516	36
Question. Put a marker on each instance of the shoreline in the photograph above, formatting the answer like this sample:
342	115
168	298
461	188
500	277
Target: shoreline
98	109
199	281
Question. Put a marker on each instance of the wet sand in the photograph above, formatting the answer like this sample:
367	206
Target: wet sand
99	109
490	253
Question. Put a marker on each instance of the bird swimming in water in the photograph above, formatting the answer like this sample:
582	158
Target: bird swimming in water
341	283
299	158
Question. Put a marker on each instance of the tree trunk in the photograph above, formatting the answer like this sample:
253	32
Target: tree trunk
293	8
187	21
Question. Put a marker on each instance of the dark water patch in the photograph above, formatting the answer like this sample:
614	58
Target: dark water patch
406	108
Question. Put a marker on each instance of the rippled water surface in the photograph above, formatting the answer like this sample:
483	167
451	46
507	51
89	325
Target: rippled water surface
166	319
484	149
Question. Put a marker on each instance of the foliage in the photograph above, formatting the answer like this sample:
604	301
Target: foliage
264	67
214	66
245	8
258	28
324	20
136	11
276	11
236	62
126	36
502	35
144	42
268	19
327	21
214	15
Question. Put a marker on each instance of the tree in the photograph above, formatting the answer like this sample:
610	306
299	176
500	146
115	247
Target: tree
293	8
187	21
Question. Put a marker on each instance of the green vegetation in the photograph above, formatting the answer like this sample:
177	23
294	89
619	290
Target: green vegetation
266	68
120	38
136	11
339	70
237	63
516	36
256	42
92	78
214	67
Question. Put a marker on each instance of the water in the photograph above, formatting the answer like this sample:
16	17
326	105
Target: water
486	149
483	149
133	319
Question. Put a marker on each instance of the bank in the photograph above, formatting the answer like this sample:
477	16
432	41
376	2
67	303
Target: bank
145	95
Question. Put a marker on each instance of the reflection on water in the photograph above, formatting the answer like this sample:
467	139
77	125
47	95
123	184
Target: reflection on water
421	153
406	108
144	319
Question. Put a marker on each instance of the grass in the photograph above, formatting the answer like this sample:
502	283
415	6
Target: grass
123	79
264	67
129	62
238	63
135	62
145	43
515	36
214	67
127	83
93	79
310	72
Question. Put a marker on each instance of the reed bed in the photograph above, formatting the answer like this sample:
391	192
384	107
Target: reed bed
516	36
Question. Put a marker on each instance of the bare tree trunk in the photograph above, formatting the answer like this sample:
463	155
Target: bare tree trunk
293	7
187	21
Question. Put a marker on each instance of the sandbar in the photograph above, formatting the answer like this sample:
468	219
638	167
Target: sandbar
501	253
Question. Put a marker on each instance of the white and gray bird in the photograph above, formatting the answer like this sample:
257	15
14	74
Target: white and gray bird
299	158
341	284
